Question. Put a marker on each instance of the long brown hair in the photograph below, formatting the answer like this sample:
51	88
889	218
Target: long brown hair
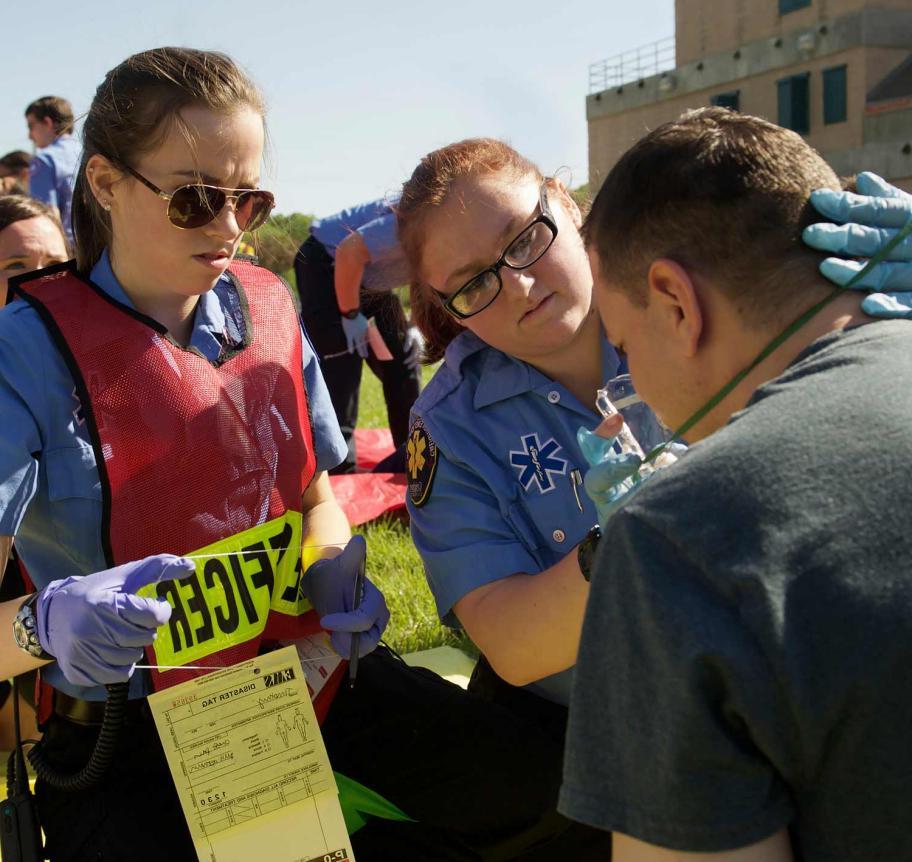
427	189
134	109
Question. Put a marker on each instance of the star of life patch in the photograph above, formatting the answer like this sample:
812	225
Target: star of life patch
536	462
421	462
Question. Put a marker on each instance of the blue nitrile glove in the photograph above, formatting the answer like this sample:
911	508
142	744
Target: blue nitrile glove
870	219
330	586
96	627
356	334
610	475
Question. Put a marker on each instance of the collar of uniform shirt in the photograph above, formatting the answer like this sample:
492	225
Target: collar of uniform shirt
208	323
505	376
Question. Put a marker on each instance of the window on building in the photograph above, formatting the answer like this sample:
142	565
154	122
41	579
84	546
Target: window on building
731	100
834	95
794	102
786	6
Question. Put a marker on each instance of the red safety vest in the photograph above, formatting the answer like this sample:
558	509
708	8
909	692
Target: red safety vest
197	458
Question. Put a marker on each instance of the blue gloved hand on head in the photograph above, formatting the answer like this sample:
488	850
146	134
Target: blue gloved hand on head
868	220
330	586
96	627
356	335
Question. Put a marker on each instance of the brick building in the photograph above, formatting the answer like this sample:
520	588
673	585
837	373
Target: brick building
837	71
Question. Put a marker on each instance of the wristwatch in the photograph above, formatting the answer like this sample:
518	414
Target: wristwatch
586	551
352	314
25	629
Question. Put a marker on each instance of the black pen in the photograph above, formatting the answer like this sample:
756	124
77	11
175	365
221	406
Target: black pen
356	636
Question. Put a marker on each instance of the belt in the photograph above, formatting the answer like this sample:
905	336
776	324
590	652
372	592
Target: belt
89	713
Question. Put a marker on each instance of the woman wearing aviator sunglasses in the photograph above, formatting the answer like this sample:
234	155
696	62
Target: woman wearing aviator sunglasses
155	399
163	468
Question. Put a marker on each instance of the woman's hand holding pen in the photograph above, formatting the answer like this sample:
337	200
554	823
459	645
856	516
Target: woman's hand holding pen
330	585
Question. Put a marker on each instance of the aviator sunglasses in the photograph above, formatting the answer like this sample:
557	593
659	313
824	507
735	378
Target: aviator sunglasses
197	204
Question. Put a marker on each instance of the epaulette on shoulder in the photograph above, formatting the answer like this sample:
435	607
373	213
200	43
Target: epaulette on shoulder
444	382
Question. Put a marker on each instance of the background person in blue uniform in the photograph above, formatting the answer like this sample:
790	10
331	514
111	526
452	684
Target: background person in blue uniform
345	271
752	605
14	172
53	168
31	237
172	117
497	512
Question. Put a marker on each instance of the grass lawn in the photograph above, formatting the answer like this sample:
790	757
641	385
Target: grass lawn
392	561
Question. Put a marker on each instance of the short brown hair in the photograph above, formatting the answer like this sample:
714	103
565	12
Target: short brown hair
15	208
16	160
59	110
725	195
133	110
427	189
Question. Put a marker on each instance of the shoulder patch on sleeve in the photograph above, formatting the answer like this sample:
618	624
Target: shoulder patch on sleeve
421	464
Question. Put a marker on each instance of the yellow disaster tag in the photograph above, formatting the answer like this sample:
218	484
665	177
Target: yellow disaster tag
237	582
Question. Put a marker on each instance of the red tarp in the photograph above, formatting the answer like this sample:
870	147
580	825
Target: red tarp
372	445
365	496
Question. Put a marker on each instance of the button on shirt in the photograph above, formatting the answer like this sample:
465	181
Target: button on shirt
52	175
50	492
376	223
502	499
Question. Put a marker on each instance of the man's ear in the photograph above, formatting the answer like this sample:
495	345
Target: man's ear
103	178
673	295
557	191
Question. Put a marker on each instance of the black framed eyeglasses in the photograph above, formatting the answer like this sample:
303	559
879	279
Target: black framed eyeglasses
528	247
196	204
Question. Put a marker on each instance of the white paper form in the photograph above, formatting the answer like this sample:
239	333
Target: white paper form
250	766
319	660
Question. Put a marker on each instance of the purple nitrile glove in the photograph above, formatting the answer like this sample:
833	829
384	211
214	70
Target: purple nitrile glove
96	627
330	586
356	335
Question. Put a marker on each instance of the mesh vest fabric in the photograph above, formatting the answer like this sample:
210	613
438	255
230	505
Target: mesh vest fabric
192	452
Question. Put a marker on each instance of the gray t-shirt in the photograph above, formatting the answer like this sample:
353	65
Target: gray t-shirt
747	648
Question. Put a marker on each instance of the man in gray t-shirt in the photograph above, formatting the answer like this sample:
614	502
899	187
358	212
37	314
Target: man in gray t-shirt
740	688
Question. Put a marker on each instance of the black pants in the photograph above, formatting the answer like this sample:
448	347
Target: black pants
314	272
580	843
480	781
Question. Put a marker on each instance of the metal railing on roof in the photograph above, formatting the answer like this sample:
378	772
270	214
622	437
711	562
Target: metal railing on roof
632	65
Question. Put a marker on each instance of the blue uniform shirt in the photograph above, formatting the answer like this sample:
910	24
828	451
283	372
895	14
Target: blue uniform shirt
50	492
496	507
52	175
376	223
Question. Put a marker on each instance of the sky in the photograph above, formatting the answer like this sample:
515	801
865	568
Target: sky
356	91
